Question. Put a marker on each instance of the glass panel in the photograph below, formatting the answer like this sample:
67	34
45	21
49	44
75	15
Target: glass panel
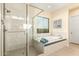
34	47
15	36
0	33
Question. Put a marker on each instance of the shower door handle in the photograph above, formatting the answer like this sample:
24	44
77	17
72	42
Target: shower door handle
71	33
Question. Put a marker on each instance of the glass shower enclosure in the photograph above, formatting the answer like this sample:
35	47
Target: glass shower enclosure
34	46
13	35
17	29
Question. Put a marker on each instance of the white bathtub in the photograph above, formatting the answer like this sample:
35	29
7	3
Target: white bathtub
54	43
50	39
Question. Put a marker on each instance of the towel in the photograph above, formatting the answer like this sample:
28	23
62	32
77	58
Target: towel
43	40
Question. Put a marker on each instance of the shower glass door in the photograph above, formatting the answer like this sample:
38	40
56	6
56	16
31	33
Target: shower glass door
15	33
34	47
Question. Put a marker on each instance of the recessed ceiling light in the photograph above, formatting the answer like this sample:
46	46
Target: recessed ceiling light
49	6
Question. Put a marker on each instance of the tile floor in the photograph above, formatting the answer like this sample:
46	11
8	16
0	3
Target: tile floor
72	50
22	52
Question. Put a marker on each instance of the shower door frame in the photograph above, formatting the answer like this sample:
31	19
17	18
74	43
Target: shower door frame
3	28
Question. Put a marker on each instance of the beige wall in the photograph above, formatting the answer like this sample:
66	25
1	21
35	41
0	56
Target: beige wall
64	15
74	12
73	9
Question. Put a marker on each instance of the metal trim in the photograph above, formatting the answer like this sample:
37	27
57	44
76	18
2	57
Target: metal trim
41	10
55	42
27	40
3	28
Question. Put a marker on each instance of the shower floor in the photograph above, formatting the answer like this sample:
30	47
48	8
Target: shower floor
22	52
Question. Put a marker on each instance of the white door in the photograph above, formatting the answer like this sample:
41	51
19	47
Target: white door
74	29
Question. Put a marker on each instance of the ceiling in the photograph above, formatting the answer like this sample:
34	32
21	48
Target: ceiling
50	6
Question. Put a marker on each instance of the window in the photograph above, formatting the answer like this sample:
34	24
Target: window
42	24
